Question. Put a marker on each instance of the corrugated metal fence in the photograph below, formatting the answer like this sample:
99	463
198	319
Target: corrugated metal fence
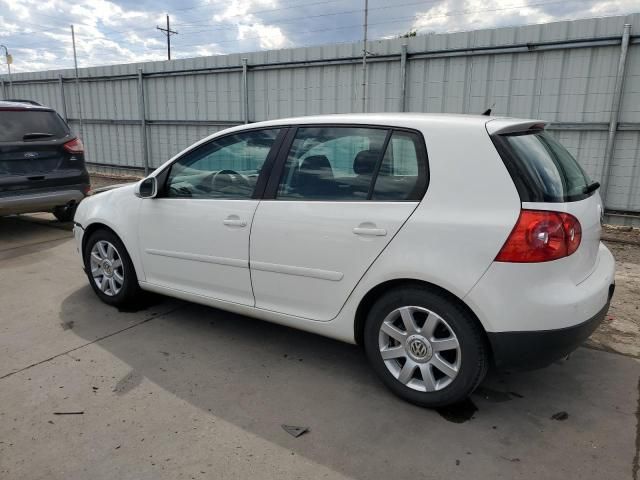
573	74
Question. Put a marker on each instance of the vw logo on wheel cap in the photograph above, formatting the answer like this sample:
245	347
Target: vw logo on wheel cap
419	347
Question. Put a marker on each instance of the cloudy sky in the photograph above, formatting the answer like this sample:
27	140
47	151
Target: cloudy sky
37	32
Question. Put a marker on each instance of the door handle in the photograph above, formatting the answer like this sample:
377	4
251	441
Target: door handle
234	221
374	232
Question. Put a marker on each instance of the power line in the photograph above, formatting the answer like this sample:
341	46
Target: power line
395	20
307	31
302	17
298	5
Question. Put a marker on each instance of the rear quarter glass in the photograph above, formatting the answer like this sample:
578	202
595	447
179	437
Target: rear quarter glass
541	168
14	124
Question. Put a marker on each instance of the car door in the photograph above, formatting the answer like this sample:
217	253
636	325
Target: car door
194	236
336	198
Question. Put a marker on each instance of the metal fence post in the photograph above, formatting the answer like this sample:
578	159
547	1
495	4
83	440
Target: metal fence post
4	94
62	97
403	77
245	90
143	122
615	114
78	95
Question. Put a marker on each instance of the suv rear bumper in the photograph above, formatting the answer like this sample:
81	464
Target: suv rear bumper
537	349
41	201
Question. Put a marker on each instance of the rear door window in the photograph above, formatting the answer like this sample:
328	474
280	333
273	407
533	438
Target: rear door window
15	124
341	163
402	175
545	170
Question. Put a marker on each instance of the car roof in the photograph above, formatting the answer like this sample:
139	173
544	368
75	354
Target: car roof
17	105
406	120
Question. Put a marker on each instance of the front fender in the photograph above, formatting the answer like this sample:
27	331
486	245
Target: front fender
117	210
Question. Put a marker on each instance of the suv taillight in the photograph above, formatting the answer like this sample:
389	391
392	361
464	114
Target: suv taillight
74	146
541	236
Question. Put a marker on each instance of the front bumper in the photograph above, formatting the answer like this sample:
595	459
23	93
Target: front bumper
537	349
40	201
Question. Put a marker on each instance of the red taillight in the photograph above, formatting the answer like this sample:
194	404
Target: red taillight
74	146
541	236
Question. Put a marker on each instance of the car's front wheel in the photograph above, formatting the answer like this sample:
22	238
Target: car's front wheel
110	269
425	347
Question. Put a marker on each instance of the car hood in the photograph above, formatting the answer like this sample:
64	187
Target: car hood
107	188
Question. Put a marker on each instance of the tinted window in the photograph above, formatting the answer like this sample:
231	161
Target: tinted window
402	175
331	163
14	124
223	168
547	172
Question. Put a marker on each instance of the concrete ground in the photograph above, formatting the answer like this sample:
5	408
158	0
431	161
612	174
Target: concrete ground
177	390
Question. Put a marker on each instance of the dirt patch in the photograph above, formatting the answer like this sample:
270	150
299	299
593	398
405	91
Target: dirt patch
620	332
100	180
623	234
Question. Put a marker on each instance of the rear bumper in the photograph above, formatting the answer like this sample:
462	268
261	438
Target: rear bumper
535	314
29	202
537	349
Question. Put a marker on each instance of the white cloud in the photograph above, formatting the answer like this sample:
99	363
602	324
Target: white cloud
457	15
122	31
268	36
19	8
250	27
7	27
614	7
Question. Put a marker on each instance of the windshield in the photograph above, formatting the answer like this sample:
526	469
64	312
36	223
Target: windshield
15	124
550	172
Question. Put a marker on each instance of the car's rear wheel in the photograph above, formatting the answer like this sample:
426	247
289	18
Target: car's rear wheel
425	347
65	213
110	269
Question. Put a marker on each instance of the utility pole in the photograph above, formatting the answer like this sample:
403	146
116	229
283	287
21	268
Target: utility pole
9	59
168	32
364	57
75	64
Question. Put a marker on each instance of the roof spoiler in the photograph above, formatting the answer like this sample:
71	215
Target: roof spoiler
503	126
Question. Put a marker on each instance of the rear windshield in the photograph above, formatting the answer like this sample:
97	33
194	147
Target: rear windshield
15	124
543	170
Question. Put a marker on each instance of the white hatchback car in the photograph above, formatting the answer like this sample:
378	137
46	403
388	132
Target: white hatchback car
441	243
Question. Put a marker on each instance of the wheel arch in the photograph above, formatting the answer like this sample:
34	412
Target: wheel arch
373	294
94	227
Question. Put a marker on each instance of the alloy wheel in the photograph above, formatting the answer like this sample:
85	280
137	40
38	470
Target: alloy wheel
419	348
107	269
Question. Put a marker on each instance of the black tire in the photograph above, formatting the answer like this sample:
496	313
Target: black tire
474	353
65	213
130	292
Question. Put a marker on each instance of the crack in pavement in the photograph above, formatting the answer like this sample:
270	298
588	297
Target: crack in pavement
7	375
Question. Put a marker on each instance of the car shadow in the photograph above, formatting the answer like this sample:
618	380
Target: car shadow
258	376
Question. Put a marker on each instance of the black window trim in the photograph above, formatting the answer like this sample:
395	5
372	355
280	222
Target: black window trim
521	178
163	176
270	193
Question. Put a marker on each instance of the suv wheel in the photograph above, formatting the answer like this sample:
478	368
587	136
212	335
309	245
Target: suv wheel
425	347
65	213
110	269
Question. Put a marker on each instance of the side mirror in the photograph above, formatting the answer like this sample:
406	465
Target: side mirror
147	188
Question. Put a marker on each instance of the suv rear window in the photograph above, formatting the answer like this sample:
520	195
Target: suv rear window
14	124
542	169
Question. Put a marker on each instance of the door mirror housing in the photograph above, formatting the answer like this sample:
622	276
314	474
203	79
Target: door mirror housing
147	188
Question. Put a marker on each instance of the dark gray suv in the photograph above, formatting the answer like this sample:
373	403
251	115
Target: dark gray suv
42	165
